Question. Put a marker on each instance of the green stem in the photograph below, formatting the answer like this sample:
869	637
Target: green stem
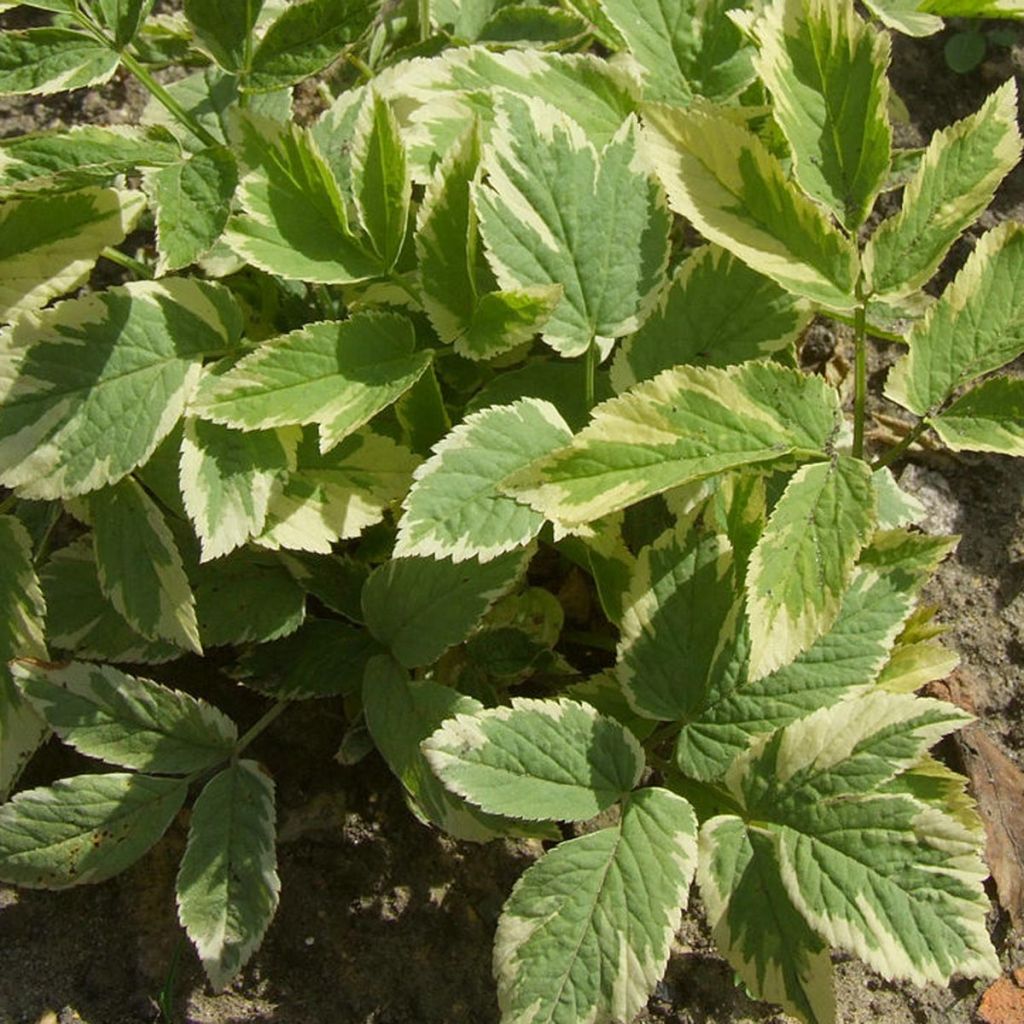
423	17
165	1000
262	723
163	96
860	374
898	449
137	267
589	374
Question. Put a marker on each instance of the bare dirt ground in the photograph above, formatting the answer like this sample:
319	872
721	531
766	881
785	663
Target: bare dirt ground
383	921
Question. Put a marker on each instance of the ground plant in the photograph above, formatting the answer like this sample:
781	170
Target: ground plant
518	295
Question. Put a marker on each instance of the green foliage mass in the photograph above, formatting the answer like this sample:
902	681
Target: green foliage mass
375	379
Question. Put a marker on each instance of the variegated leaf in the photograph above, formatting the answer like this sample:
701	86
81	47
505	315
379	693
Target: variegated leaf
684	49
86	828
539	759
80	619
989	418
140	568
556	211
336	374
586	933
127	721
730	710
84	155
715	311
52	242
226	478
826	71
22	613
956	180
975	327
335	496
441	95
755	925
228	885
89	388
889	878
49	60
803	561
455	507
684	425
294	222
723	178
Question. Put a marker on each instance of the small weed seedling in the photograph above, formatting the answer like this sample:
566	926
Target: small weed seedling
363	368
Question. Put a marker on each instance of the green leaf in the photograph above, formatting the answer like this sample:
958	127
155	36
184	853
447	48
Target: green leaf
885	877
756	926
192	200
731	710
336	374
826	71
332	497
50	243
22	731
964	51
223	28
294	222
211	97
905	17
323	658
525	23
246	596
85	155
123	17
335	581
49	60
556	211
84	829
455	507
989	418
381	186
540	759
140	567
686	424
715	311
586	933
127	721
736	193
226	480
684	49
304	39
419	607
680	607
803	562
960	172
80	619
89	388
22	612
400	715
975	327
228	885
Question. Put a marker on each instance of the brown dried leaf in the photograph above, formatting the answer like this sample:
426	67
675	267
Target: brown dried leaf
998	787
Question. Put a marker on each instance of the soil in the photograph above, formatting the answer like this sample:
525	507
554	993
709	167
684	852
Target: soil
383	921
